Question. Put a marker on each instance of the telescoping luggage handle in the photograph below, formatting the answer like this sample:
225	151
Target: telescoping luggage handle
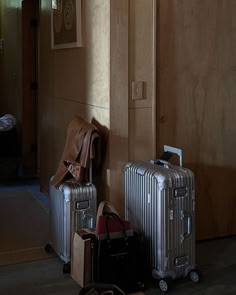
174	150
91	171
168	152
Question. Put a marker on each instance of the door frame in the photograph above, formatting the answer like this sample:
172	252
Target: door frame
30	61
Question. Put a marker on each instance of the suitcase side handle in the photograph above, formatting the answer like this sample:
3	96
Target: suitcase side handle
188	224
174	150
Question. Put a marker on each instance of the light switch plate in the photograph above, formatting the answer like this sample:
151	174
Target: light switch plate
138	90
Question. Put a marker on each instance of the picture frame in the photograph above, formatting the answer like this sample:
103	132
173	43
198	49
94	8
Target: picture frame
66	24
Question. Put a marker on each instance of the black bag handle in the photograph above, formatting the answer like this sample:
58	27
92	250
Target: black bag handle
113	215
101	289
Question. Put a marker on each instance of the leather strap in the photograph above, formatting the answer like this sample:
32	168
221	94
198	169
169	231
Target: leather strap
101	208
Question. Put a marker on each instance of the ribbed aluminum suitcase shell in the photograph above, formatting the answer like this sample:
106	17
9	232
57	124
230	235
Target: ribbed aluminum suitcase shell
160	203
72	207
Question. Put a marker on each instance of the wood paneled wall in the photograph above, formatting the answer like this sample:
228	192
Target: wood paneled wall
1	65
197	105
118	149
10	70
93	81
142	67
74	82
132	53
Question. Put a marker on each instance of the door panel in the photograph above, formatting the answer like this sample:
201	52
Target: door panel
197	105
29	85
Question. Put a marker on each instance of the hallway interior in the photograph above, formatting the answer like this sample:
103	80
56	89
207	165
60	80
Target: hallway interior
182	53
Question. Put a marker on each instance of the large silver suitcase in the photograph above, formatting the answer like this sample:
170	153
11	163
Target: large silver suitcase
160	203
72	207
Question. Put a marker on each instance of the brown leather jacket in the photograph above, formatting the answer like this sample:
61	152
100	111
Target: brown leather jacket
80	149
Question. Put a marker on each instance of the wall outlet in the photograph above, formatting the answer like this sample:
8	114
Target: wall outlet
138	91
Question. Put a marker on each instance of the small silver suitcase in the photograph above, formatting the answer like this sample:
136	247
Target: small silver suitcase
72	207
160	203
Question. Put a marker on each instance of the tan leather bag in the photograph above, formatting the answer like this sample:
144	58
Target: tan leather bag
81	258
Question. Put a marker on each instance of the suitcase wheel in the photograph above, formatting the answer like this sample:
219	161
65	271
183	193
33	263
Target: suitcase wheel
164	284
194	276
66	268
48	248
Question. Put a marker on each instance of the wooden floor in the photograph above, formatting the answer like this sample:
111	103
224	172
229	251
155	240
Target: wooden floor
216	260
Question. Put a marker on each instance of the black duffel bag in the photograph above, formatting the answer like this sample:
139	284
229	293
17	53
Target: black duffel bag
119	261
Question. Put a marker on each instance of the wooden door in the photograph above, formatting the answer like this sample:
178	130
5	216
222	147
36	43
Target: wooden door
30	9
197	102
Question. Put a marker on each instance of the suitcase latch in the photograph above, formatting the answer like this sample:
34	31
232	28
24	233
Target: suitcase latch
181	260
81	205
180	192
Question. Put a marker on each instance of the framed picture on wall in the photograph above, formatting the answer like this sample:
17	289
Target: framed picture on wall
66	24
